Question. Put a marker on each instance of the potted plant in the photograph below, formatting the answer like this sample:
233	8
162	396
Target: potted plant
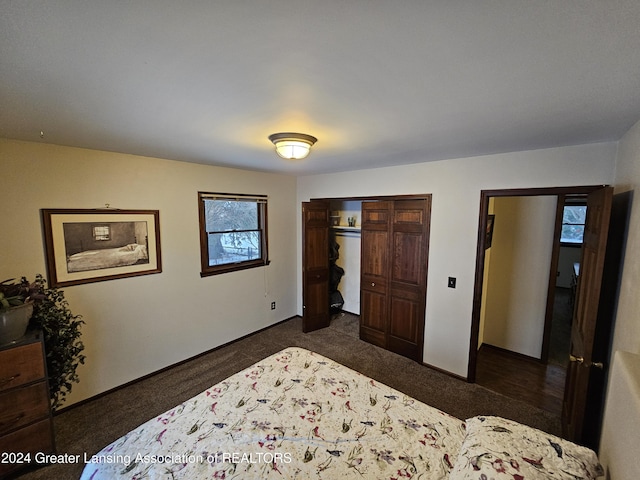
62	344
49	312
16	307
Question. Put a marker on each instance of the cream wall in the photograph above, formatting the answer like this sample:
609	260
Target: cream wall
617	452
135	326
455	185
518	273
627	178
485	282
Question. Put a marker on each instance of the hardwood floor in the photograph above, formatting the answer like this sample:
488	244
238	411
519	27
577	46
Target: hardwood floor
522	378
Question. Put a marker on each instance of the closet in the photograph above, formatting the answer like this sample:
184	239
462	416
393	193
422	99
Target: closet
393	234
344	233
395	243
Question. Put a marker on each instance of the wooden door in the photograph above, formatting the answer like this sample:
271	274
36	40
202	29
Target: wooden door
374	271
395	236
408	277
315	266
586	312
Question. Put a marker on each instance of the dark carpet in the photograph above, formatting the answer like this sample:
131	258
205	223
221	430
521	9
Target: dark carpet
87	428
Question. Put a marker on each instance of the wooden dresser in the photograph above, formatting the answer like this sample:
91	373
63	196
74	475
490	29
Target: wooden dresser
26	423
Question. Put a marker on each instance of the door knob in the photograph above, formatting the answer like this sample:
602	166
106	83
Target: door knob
581	361
373	284
576	359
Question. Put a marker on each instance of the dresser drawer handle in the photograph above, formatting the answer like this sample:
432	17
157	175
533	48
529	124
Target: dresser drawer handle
8	380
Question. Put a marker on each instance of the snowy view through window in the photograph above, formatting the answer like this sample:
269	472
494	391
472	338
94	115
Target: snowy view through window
233	231
573	220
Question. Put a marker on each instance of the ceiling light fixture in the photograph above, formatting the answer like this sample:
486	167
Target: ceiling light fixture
292	146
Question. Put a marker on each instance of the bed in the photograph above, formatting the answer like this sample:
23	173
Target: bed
107	258
299	415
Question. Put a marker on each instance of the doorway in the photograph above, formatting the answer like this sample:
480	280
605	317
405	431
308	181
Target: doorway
581	387
518	331
530	277
487	196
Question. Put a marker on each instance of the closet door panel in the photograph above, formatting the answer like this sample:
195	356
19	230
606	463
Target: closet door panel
376	215
374	272
409	212
315	266
374	264
317	292
395	242
373	321
403	319
408	277
406	316
375	254
408	265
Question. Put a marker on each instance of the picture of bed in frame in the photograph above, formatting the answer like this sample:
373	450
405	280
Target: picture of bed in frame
91	245
299	415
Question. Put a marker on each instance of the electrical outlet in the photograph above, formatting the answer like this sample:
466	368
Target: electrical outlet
273	305
452	282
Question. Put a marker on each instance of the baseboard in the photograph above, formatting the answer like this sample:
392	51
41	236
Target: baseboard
511	353
437	369
177	364
446	372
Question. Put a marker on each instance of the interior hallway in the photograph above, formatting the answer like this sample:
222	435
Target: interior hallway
523	378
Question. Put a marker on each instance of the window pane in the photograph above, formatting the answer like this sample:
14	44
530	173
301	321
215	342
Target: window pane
572	234
233	232
230	215
574	214
101	232
233	247
573	220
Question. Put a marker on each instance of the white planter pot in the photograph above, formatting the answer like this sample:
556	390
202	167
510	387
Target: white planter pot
14	322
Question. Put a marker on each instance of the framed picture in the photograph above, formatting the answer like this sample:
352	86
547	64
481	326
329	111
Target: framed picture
489	232
85	246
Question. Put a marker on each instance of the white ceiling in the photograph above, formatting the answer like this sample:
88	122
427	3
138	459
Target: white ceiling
377	82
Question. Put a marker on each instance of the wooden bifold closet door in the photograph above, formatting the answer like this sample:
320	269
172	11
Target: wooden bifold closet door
395	245
315	266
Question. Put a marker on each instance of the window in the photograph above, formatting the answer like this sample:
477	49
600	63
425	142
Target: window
233	232
573	220
101	232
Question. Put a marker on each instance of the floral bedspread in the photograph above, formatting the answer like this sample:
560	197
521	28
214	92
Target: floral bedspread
500	449
295	414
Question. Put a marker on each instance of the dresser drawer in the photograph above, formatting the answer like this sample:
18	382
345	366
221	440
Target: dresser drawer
23	405
21	365
32	439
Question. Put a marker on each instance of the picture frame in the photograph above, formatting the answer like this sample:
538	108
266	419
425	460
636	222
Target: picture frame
491	218
94	245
